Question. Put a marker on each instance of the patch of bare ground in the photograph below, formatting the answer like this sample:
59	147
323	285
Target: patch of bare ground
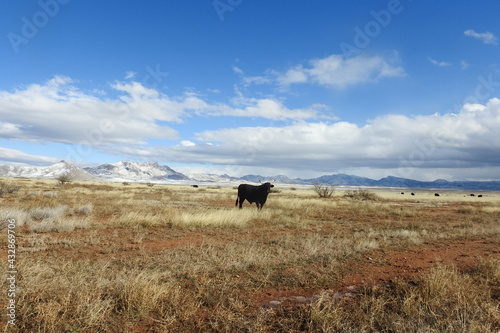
380	267
115	242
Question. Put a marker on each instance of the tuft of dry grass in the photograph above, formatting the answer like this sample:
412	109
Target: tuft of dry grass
215	218
19	215
61	225
47	219
444	300
361	194
7	188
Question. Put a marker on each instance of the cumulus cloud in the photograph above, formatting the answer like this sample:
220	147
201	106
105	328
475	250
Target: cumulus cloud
58	111
486	37
465	140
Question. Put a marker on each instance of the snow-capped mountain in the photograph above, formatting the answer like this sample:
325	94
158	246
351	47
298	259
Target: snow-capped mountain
210	177
155	173
52	171
136	172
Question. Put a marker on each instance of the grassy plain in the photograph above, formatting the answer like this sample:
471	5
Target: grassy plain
104	257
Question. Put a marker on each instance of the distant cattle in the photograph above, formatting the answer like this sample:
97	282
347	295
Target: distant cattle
412	193
252	193
472	195
195	186
436	194
402	192
480	196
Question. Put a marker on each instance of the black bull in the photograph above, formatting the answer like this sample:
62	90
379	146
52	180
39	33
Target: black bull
251	193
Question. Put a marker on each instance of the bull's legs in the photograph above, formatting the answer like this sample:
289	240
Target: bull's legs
241	202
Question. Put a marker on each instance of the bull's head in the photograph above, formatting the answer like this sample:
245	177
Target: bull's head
267	186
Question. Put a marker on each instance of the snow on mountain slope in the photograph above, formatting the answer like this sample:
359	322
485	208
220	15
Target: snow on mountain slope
51	171
208	177
153	172
136	172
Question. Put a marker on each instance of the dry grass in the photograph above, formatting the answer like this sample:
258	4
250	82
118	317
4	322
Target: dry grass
444	300
225	218
111	258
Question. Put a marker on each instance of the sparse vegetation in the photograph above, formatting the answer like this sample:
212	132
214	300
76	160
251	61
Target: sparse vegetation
443	300
177	259
361	194
323	191
85	209
6	188
64	179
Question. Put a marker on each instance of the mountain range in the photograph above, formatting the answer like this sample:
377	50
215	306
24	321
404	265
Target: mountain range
136	172
51	171
127	171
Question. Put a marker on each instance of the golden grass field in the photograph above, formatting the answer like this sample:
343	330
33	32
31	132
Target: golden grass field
109	257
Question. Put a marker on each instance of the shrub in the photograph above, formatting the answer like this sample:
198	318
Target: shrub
85	210
47	213
20	216
62	225
361	195
466	210
7	189
64	179
323	191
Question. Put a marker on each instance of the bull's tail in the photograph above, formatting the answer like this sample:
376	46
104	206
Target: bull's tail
237	198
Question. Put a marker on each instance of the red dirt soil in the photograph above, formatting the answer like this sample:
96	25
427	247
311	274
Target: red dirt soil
381	266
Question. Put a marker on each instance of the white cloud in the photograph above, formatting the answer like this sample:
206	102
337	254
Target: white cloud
439	63
58	111
187	143
130	75
267	108
338	72
238	70
334	71
404	146
296	74
251	80
486	37
16	156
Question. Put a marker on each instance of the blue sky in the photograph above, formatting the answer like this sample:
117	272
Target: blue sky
371	88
